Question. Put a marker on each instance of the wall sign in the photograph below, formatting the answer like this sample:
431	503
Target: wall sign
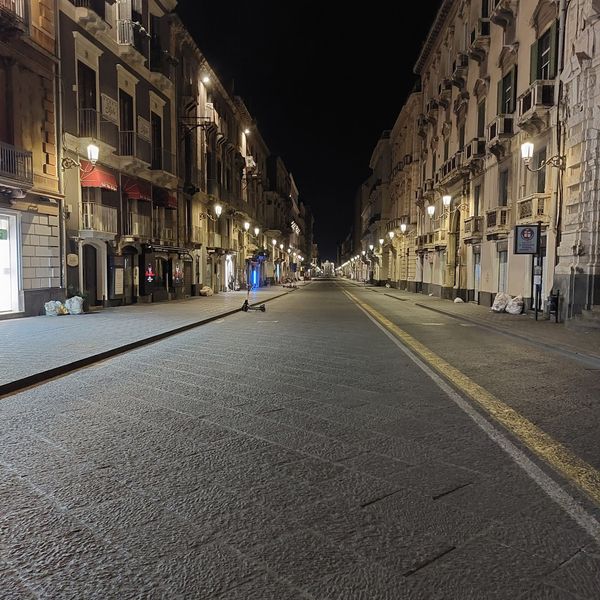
110	108
118	282
144	129
527	239
72	260
3	234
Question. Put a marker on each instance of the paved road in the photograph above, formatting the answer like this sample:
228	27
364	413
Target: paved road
297	453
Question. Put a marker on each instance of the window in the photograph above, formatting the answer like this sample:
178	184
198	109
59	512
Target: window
446	148
543	55
476	200
507	93
461	137
502	271
126	124
433	164
86	100
540	184
6	132
503	188
481	119
485	9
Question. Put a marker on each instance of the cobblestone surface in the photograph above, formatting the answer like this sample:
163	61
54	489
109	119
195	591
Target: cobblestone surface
293	454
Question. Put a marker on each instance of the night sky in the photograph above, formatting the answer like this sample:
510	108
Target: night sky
322	85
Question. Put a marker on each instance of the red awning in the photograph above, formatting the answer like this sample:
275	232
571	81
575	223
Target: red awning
135	189
164	198
97	177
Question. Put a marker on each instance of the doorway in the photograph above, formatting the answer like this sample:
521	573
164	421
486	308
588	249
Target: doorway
476	276
130	268
9	266
90	273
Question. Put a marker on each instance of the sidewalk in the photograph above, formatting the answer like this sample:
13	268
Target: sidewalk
583	342
41	347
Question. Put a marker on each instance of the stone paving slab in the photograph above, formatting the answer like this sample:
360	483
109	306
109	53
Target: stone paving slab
33	345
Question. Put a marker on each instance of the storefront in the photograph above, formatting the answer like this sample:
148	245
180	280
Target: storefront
10	297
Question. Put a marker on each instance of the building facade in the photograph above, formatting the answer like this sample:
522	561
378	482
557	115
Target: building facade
31	235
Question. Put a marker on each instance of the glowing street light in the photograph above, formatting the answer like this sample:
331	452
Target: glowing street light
246	225
256	231
447	200
218	210
403	227
431	210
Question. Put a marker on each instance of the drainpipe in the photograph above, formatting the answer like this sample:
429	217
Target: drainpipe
59	139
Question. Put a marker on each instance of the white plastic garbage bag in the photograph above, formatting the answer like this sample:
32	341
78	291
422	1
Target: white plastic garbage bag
55	308
515	306
206	291
74	305
500	302
458	301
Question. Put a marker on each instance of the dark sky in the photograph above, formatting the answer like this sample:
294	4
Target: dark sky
322	81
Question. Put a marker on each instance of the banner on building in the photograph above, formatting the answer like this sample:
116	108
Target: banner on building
527	239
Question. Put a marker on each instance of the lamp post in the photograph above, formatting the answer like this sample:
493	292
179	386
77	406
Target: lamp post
93	154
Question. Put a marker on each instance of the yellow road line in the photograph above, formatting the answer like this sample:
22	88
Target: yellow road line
553	452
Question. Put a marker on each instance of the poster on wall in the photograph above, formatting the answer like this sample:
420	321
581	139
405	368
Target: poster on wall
527	239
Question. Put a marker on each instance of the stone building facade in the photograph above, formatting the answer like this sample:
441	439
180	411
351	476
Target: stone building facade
31	238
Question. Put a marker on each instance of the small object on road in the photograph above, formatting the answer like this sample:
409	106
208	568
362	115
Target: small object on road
74	305
515	306
500	302
206	291
458	301
246	307
54	308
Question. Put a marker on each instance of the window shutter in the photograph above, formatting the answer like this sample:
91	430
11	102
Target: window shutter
533	68
553	49
500	96
513	83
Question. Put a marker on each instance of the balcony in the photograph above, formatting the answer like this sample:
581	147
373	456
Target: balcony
479	42
92	127
196	234
165	232
497	221
451	171
473	231
431	111
163	167
440	238
474	152
127	40
214	240
91	14
535	105
160	67
138	226
422	124
499	130
134	149
16	166
428	188
398	168
14	18
460	68
533	209
502	12
445	92
98	219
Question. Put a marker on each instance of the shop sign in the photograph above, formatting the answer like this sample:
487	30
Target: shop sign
527	239
144	128
149	275
178	274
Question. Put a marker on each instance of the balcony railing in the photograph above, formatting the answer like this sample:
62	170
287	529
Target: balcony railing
162	160
139	225
97	217
473	228
13	15
440	237
131	144
98	6
497	219
16	165
534	208
196	234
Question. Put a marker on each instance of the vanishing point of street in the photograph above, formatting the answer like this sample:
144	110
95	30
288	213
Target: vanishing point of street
348	442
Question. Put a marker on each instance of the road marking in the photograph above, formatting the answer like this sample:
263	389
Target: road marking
432	323
554	453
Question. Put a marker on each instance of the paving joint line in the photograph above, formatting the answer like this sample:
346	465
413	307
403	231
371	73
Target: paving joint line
12	387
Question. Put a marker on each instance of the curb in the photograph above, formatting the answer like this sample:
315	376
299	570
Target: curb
588	359
19	384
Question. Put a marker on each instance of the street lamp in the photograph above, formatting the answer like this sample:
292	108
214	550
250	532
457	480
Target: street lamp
391	234
246	226
371	247
281	246
558	161
431	210
403	227
93	154
381	240
447	200
256	231
218	210
274	242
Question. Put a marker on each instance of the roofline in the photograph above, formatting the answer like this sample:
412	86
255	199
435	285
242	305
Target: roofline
432	35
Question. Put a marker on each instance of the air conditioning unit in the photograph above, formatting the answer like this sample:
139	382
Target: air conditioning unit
475	149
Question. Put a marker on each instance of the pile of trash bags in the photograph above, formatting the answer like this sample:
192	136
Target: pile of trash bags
504	302
71	306
206	291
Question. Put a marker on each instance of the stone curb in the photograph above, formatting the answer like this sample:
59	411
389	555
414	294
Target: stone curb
19	384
